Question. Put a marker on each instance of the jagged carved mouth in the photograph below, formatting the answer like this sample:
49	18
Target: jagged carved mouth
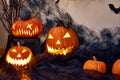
27	32
18	62
59	51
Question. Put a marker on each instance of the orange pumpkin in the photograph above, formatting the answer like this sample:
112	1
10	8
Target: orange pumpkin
19	56
94	68
116	69
27	28
61	41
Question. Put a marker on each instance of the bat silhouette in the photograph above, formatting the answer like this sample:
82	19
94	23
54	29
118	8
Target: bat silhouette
114	9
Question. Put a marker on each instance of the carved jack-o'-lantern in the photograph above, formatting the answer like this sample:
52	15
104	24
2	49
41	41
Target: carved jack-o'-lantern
27	28
19	56
61	41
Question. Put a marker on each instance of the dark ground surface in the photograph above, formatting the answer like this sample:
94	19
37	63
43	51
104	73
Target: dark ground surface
62	68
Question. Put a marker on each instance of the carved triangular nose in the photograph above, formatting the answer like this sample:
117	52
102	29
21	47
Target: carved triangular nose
19	55
58	42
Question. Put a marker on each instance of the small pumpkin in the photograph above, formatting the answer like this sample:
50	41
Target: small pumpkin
27	27
94	68
116	69
61	41
19	56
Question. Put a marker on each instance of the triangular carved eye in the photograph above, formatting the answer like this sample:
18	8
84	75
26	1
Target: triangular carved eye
14	50
67	35
50	36
24	50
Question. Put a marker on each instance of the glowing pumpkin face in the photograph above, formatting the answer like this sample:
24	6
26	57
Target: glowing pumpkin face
27	28
19	56
61	41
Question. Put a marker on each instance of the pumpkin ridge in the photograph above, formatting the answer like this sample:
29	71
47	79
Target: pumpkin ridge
116	67
73	37
20	28
94	68
19	56
64	45
63	35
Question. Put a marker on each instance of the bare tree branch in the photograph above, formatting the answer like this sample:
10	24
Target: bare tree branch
10	12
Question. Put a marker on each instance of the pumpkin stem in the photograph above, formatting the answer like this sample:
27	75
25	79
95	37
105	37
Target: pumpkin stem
18	44
94	58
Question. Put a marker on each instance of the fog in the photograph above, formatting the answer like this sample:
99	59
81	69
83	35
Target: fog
95	14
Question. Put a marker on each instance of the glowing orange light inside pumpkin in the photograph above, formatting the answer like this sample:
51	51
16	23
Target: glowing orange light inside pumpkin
61	41
27	28
19	56
62	51
19	62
